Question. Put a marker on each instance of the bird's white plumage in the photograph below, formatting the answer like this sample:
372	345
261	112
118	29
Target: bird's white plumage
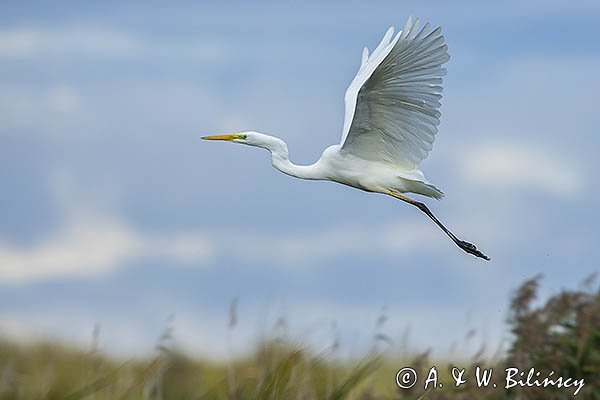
392	105
392	114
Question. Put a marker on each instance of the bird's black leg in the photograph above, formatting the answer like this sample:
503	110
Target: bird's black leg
466	246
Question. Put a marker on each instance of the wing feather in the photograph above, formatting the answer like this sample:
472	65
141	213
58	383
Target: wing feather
392	105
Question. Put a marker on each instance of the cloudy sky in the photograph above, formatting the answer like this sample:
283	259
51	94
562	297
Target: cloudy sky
115	213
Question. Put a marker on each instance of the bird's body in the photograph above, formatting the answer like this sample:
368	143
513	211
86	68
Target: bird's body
392	114
343	167
372	176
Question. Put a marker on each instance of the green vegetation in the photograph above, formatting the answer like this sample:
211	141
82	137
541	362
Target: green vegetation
561	335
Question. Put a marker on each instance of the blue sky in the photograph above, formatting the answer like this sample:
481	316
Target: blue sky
115	212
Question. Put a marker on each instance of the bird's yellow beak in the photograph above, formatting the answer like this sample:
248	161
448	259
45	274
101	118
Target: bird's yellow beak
224	137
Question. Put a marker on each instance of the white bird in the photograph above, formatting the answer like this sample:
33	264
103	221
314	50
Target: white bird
392	115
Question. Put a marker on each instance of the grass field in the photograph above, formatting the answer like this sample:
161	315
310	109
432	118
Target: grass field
562	335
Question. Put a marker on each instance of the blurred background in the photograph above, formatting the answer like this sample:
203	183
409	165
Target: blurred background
116	217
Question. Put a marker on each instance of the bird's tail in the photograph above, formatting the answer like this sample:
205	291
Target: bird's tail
426	189
433	191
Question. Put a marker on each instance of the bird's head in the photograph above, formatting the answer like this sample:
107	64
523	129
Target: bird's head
251	138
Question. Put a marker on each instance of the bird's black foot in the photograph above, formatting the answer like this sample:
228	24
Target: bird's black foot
471	249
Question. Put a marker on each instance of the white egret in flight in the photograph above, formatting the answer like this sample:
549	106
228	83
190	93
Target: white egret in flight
392	114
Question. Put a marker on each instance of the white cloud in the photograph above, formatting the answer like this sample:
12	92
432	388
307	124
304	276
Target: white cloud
92	242
51	108
519	165
91	246
95	245
30	42
33	42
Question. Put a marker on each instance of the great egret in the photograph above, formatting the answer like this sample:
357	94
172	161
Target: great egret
390	123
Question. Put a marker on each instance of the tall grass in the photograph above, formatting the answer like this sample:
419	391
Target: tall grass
563	335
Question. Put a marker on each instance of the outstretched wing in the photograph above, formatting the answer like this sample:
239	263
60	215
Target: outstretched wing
392	104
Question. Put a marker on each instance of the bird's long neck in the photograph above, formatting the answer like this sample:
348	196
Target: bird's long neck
281	161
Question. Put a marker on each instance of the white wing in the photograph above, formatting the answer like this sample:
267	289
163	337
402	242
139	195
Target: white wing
392	103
